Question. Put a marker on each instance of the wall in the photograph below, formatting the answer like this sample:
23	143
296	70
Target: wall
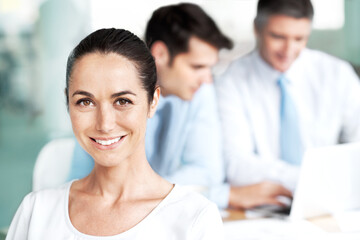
32	69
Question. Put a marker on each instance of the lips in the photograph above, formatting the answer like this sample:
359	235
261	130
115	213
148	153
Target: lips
107	141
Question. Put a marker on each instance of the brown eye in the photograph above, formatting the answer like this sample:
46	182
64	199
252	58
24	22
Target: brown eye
85	103
122	101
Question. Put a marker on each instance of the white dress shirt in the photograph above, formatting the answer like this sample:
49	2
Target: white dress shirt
326	92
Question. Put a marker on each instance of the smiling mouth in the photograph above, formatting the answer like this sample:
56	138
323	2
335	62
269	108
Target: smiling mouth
107	142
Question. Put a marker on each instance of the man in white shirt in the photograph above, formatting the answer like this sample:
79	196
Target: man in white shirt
282	98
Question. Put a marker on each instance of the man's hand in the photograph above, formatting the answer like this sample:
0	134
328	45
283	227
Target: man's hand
250	196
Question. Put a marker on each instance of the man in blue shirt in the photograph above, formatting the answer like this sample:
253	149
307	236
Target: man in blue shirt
183	140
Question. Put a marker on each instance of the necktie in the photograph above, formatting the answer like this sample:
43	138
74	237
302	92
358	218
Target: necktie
290	142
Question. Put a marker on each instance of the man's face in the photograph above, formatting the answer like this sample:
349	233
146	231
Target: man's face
189	70
281	40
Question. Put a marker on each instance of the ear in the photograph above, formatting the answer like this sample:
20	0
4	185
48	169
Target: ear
160	52
256	30
154	102
66	92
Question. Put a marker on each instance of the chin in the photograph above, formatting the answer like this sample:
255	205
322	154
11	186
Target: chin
186	97
107	160
282	67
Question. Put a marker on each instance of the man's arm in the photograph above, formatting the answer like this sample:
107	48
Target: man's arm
351	118
201	162
258	194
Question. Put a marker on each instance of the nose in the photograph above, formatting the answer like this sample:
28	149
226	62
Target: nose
106	119
207	76
289	47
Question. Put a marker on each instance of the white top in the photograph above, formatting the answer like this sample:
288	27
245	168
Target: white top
326	92
181	215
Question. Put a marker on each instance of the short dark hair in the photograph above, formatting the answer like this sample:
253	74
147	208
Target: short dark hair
291	8
175	24
123	43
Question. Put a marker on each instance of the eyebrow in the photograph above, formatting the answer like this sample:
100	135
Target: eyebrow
79	92
122	93
274	34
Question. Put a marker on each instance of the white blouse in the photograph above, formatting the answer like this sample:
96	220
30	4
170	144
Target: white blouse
181	215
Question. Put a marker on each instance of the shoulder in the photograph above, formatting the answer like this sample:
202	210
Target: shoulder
203	104
52	192
326	69
192	202
200	216
323	60
239	66
41	199
36	211
185	214
47	202
237	72
205	93
46	198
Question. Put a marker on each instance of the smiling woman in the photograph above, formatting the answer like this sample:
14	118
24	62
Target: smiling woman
111	92
109	107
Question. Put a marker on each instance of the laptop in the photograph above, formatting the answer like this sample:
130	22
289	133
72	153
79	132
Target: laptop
329	183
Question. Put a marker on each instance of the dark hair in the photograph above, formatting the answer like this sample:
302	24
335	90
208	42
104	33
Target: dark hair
123	43
291	8
175	24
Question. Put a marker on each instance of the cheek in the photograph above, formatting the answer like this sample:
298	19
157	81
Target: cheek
188	76
134	120
73	117
300	47
80	120
267	47
275	46
181	75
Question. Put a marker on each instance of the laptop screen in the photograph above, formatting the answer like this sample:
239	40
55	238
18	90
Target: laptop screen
329	181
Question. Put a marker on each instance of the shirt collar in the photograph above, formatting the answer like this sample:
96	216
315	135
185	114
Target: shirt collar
166	100
264	70
297	67
161	102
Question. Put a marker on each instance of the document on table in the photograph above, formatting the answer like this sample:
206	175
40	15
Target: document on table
348	221
271	229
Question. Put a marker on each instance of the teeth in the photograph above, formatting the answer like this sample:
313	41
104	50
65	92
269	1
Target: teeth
108	142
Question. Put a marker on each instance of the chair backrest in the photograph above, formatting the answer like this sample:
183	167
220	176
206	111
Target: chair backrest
53	163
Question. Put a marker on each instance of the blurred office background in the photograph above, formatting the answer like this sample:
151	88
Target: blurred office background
36	37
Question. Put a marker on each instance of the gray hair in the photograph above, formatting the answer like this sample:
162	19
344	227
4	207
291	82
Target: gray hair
292	8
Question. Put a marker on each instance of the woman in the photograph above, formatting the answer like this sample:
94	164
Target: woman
111	91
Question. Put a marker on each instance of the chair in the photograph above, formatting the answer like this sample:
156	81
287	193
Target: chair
53	163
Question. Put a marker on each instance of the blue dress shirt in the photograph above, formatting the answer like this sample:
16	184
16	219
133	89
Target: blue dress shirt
182	143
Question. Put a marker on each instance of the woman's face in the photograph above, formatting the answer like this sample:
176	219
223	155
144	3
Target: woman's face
108	107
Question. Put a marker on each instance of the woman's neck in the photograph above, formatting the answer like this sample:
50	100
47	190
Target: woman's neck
125	180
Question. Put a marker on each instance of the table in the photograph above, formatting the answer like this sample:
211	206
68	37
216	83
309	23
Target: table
238	226
327	222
